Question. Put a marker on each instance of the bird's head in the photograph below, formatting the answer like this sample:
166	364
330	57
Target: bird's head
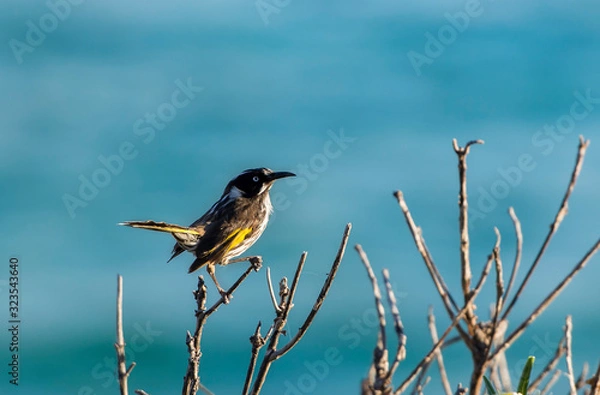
253	182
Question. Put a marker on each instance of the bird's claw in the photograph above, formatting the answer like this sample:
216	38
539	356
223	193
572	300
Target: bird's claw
256	262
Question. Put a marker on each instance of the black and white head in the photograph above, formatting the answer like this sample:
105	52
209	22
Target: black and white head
254	182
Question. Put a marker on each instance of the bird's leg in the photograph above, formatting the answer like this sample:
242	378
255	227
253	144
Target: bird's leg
255	261
211	272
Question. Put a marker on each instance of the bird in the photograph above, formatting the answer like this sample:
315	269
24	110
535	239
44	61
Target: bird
229	228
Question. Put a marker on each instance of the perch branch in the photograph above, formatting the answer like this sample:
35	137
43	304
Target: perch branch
191	380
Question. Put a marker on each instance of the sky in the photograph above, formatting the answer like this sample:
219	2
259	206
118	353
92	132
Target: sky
118	111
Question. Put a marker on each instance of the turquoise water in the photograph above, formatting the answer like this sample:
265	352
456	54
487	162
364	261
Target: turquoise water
355	97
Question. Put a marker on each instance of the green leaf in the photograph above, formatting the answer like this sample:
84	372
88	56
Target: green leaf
490	387
524	381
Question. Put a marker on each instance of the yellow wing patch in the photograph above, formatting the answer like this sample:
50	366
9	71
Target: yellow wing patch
234	239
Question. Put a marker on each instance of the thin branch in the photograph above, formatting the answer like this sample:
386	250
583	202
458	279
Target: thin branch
191	380
141	392
569	357
560	215
439	357
560	351
580	383
460	390
399	328
257	342
546	302
380	362
438	281
555	376
436	347
422	248
271	292
272	353
122	370
464	218
519	253
595	382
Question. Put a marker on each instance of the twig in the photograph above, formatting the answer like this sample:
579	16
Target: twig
380	362
546	302
122	369
569	356
560	215
271	292
457	318
519	253
580	382
439	357
257	342
595	382
553	379
464	219
272	354
438	281
191	380
560	350
141	392
399	328
460	390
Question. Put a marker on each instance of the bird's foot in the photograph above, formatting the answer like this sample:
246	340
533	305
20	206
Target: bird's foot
225	296
256	262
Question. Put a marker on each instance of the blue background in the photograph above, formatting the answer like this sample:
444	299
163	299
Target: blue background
272	91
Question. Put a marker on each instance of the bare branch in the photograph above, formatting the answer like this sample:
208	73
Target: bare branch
460	390
271	292
379	363
553	379
546	302
122	370
427	359
438	281
560	351
560	215
439	357
595	382
272	353
257	342
569	357
519	253
399	328
464	219
191	380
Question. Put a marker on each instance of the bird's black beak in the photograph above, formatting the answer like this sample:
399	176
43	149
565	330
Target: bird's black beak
280	174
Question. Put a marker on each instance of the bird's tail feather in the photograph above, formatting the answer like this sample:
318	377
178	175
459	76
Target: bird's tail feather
161	227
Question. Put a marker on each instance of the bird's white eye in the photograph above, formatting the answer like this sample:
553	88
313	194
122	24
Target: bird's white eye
255	179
